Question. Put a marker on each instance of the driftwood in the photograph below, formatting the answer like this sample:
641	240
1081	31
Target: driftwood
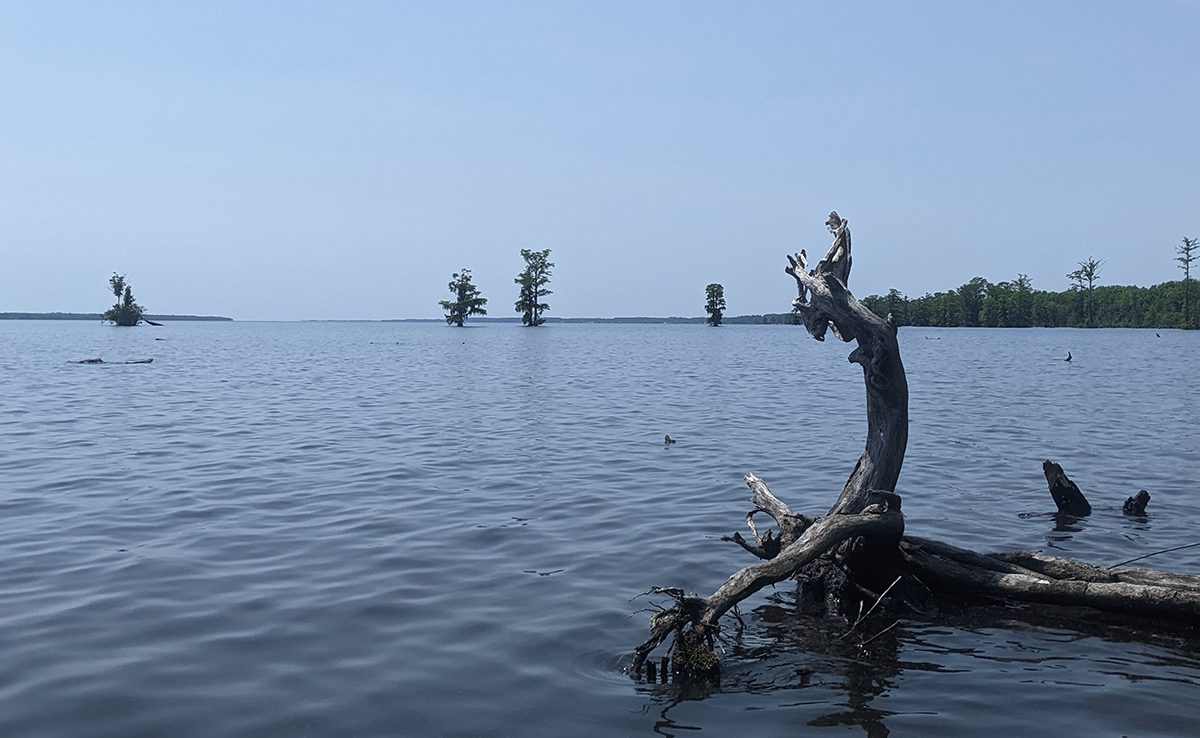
98	360
856	555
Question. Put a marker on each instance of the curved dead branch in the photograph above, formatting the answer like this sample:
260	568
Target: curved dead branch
825	301
790	524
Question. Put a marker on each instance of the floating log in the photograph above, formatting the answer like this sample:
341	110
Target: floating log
98	360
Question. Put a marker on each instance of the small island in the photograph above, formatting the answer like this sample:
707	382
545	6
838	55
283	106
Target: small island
98	316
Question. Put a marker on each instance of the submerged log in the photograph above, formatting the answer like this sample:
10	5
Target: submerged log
1060	582
1066	494
845	557
98	360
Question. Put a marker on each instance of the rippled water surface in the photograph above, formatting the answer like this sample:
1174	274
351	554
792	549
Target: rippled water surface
406	529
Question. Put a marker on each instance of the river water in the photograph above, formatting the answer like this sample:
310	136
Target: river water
334	529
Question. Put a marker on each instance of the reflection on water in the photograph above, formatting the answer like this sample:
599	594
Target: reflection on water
806	669
381	529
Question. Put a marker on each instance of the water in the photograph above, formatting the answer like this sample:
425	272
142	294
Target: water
407	529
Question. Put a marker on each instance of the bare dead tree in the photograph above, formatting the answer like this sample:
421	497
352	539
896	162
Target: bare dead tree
845	557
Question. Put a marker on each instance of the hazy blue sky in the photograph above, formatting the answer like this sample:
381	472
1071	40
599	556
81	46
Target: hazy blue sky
300	160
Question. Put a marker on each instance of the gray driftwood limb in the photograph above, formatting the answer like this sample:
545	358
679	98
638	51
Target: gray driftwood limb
1076	585
790	524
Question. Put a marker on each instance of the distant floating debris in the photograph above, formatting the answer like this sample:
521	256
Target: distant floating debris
98	360
1068	356
667	440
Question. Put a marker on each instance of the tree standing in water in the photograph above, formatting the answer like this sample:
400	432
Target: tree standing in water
1187	255
125	312
467	300
533	283
1088	272
715	307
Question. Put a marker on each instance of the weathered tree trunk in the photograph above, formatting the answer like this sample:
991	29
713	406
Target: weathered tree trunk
858	546
825	301
1066	494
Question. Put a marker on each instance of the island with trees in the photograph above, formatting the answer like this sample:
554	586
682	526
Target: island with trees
125	312
100	317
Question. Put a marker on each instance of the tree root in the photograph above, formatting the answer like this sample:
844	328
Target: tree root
694	620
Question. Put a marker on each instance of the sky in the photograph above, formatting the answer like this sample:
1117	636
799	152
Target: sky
296	160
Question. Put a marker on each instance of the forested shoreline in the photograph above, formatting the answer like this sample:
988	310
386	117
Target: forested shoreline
980	303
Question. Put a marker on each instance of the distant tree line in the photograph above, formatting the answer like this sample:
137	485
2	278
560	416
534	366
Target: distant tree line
1016	304
978	303
764	319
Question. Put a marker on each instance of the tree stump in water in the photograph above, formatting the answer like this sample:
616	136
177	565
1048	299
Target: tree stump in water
1136	505
1066	494
857	554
